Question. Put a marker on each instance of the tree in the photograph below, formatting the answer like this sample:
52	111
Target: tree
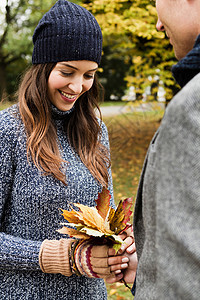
129	32
134	53
19	18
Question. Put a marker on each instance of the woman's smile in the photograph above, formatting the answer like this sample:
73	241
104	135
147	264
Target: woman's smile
68	97
69	80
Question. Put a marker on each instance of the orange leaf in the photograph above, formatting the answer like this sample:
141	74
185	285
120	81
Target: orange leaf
71	216
73	233
103	202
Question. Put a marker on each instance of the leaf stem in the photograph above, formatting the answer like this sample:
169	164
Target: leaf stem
126	285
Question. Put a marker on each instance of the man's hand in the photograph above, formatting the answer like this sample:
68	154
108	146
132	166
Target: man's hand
130	272
127	249
127	274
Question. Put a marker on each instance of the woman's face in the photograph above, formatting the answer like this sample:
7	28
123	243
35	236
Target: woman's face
69	80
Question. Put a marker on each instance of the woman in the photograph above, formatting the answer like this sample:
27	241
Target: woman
54	152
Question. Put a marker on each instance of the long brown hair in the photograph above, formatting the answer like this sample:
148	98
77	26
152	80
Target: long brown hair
83	128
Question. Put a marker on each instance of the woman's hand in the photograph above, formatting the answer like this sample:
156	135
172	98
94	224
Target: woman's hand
97	261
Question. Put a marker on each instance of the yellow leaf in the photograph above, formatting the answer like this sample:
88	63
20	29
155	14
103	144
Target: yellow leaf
112	292
91	217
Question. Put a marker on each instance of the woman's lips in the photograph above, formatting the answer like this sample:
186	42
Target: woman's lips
68	97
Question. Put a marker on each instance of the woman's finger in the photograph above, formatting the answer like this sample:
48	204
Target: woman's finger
117	260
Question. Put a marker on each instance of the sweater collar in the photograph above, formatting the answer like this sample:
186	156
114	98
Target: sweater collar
189	66
59	114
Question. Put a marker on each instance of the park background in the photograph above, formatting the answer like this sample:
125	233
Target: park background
135	71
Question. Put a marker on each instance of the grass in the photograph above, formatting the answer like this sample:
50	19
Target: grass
130	135
5	104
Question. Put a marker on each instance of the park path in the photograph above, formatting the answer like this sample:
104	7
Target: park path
126	107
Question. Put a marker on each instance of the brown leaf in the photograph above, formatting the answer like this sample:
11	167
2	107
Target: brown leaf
111	214
116	223
103	202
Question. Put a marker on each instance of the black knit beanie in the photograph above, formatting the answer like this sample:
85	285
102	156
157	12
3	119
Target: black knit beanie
67	32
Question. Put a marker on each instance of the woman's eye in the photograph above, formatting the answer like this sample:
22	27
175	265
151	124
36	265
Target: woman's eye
88	76
65	73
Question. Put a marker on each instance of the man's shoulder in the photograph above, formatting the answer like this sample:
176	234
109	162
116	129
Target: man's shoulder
189	94
186	103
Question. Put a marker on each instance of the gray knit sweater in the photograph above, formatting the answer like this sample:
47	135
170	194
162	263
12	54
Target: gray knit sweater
29	213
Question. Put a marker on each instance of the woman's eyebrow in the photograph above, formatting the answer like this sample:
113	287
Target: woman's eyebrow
69	66
93	69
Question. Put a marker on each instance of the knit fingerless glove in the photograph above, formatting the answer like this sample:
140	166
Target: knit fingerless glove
90	260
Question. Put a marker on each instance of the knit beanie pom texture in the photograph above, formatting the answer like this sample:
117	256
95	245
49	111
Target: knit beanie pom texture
67	32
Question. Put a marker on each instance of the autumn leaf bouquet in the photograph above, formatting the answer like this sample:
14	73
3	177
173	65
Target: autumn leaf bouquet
102	222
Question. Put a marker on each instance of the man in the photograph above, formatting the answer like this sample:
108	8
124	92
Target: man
167	210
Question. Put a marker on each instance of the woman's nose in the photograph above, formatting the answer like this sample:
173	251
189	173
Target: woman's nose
76	86
159	26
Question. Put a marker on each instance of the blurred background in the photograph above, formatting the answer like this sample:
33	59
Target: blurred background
135	72
136	60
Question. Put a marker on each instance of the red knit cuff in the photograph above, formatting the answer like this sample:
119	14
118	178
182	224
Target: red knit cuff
82	259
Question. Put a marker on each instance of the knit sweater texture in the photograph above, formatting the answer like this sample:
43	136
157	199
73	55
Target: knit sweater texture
29	214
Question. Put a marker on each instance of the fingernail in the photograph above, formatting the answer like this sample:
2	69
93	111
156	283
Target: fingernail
125	259
122	248
118	272
123	266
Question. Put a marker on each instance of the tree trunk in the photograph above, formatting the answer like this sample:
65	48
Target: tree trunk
3	83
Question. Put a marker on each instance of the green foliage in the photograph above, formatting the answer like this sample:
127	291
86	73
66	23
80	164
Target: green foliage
143	53
19	18
134	53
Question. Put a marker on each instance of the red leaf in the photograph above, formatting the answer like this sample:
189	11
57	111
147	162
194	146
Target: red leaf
103	202
127	203
125	228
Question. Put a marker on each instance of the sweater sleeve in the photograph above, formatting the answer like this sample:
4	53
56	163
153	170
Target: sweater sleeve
15	252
